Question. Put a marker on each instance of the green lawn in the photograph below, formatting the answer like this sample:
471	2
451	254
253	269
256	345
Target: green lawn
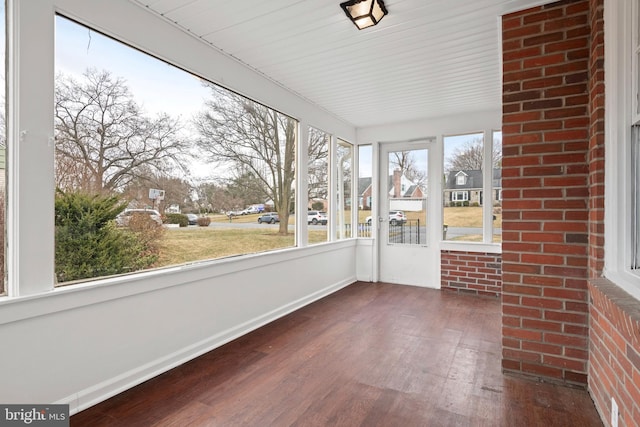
182	245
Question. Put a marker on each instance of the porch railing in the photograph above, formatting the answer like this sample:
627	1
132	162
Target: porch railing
407	233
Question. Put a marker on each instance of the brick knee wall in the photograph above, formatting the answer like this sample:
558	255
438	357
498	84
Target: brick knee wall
471	272
545	175
614	352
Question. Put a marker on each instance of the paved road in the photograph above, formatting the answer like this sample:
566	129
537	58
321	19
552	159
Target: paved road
410	234
254	224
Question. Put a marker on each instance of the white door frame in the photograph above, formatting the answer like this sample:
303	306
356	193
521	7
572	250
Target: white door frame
422	262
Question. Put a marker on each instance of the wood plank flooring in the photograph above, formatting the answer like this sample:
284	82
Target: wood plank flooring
368	355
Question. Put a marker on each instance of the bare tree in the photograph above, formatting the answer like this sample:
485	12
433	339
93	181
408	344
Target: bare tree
405	161
103	140
213	197
240	134
318	174
470	156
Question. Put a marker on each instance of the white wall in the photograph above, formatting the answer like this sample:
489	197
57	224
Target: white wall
435	127
82	345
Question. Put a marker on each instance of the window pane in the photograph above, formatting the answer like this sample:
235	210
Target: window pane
157	167
497	187
318	185
463	196
3	146
344	182
407	197
635	197
365	195
637	77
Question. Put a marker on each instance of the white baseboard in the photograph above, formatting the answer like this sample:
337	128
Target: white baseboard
102	391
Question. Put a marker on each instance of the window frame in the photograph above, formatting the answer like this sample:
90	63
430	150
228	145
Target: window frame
30	154
456	193
488	228
621	112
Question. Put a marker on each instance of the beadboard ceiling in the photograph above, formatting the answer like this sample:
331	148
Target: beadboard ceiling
426	58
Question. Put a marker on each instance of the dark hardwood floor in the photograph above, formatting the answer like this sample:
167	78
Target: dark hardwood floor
368	355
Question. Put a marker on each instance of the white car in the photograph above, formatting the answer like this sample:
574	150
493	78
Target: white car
395	218
123	218
316	217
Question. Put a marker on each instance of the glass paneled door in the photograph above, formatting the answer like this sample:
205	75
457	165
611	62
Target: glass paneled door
408	250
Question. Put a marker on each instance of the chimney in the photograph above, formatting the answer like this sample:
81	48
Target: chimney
397	178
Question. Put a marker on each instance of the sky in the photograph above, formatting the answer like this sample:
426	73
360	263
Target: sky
148	78
156	86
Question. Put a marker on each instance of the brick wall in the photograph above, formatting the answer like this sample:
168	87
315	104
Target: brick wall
472	273
614	352
546	126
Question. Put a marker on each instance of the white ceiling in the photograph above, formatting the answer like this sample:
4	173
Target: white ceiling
426	58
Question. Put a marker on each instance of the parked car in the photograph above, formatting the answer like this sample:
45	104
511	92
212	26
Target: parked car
193	219
395	218
123	218
269	218
316	217
252	210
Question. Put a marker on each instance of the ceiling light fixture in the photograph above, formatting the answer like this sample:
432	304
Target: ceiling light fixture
364	13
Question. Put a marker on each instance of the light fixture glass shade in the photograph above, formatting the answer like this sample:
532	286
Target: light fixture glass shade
364	13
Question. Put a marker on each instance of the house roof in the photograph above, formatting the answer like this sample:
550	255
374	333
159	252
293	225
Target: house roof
410	191
474	179
363	184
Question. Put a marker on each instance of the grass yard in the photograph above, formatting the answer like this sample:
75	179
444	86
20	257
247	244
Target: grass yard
179	246
470	216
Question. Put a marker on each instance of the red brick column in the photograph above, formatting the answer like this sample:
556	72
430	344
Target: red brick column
545	177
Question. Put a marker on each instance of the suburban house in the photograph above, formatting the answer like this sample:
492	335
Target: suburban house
400	187
559	79
466	187
364	193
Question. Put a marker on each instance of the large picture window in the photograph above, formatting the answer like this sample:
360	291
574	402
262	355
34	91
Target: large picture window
156	167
